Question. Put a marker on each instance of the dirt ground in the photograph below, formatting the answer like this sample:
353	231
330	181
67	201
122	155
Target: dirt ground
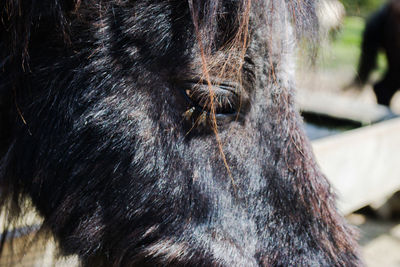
379	240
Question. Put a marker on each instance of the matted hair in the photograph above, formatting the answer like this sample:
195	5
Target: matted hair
206	15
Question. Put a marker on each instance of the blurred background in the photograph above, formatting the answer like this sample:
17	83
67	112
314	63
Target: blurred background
356	141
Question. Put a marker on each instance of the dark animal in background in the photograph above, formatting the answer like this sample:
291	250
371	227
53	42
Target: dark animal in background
163	133
382	32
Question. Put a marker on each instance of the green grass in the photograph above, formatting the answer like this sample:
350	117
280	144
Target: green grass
345	50
361	8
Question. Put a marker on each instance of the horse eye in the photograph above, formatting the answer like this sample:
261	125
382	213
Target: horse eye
223	97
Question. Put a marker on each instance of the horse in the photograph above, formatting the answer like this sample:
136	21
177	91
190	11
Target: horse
164	133
381	33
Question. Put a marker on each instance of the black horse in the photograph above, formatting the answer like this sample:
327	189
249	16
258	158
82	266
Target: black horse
382	33
163	133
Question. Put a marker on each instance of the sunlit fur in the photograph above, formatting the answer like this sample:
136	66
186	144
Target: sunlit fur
92	132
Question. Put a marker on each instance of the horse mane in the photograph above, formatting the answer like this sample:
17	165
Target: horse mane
20	17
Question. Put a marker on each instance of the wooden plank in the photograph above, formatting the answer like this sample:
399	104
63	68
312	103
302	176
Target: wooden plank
363	165
31	251
341	107
26	247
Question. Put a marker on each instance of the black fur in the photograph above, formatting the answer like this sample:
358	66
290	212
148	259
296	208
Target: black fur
92	97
